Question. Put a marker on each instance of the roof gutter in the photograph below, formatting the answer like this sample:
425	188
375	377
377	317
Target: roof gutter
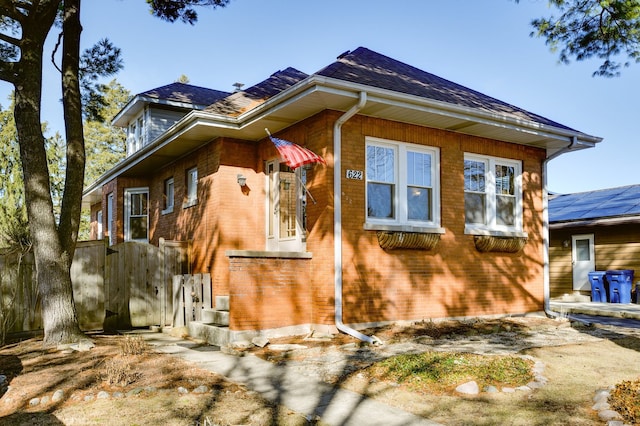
545	225
337	219
609	221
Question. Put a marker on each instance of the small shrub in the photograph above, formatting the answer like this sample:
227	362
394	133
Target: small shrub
117	372
133	345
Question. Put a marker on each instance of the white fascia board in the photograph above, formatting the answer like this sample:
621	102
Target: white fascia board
461	112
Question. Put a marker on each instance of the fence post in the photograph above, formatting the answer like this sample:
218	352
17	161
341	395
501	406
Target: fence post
178	301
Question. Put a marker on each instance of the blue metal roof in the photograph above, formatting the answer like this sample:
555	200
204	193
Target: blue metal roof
600	204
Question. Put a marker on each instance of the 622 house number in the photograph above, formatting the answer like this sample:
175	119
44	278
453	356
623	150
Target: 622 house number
355	174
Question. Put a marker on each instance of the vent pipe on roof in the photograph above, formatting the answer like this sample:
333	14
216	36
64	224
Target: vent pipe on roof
238	86
337	219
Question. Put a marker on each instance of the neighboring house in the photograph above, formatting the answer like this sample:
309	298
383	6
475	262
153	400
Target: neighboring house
592	231
431	203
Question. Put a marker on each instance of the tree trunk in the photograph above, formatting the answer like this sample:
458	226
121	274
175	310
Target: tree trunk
53	262
71	101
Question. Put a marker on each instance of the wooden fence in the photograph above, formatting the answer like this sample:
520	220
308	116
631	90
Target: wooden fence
114	287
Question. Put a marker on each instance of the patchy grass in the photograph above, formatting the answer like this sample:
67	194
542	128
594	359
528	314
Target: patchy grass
437	372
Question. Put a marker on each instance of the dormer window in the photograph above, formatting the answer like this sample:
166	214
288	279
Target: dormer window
137	134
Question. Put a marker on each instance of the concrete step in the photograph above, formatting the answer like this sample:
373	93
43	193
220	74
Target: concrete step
214	317
222	303
212	334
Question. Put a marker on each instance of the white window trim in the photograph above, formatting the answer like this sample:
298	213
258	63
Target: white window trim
171	201
491	228
401	222
191	193
127	210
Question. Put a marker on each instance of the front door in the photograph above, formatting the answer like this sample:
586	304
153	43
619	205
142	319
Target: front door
285	208
583	260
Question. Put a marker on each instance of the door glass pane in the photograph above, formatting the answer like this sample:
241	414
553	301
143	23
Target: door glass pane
271	189
288	204
583	253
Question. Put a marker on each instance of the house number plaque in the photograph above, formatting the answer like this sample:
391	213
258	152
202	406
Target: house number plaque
354	174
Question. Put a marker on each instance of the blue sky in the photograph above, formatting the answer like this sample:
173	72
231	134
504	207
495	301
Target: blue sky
484	45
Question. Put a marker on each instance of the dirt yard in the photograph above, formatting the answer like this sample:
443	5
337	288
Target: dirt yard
578	361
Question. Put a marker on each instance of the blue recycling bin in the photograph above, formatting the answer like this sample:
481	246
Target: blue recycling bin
620	283
599	291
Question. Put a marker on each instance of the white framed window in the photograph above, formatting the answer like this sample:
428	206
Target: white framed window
191	194
492	193
136	214
137	133
111	225
168	196
99	233
402	184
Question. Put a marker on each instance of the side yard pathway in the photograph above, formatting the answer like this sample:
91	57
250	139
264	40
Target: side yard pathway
283	385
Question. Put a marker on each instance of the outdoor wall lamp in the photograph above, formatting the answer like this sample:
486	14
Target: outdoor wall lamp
242	180
565	244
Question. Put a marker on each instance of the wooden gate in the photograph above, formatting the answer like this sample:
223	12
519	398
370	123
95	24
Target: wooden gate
191	294
138	283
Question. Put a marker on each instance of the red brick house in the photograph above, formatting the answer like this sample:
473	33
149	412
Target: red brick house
431	203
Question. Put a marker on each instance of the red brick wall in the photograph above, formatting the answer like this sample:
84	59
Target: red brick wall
269	293
454	279
226	217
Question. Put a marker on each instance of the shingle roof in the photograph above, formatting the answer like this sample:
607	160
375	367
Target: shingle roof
243	100
370	68
599	204
187	93
361	66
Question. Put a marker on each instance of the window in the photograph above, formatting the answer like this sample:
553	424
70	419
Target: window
131	138
402	184
492	193
192	187
99	234
136	223
111	225
140	135
137	135
168	196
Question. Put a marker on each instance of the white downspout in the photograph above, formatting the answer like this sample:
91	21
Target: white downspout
545	226
337	219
